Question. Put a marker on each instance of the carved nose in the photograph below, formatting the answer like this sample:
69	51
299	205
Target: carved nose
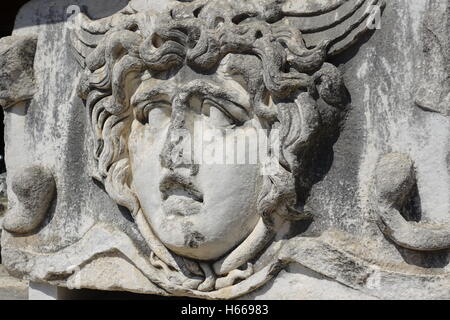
173	153
177	149
176	152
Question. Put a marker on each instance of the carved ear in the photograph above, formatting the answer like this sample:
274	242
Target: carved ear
340	21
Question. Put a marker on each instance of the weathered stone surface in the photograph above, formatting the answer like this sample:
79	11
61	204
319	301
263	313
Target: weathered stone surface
351	201
395	179
3	202
34	188
17	82
433	91
12	288
3	197
299	283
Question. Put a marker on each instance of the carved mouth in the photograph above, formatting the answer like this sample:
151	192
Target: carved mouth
179	186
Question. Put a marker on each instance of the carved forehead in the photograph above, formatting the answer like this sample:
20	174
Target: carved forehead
236	77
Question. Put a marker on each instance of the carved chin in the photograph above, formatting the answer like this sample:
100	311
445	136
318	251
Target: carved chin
198	245
191	232
198	248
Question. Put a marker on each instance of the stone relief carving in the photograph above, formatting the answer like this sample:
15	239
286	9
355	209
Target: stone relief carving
34	188
433	92
255	59
395	181
17	81
177	225
396	175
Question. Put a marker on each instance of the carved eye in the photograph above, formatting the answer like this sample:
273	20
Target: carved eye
218	22
217	117
158	116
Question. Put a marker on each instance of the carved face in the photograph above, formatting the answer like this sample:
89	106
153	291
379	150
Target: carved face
198	210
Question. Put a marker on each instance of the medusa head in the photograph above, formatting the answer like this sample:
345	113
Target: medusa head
229	67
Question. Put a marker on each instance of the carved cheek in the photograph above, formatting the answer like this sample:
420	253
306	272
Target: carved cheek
145	145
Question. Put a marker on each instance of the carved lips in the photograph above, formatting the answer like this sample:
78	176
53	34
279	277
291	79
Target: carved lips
179	194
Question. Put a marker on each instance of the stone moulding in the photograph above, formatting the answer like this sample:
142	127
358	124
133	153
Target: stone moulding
342	259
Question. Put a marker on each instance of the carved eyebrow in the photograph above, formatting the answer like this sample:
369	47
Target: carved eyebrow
213	92
147	97
147	94
227	102
230	111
